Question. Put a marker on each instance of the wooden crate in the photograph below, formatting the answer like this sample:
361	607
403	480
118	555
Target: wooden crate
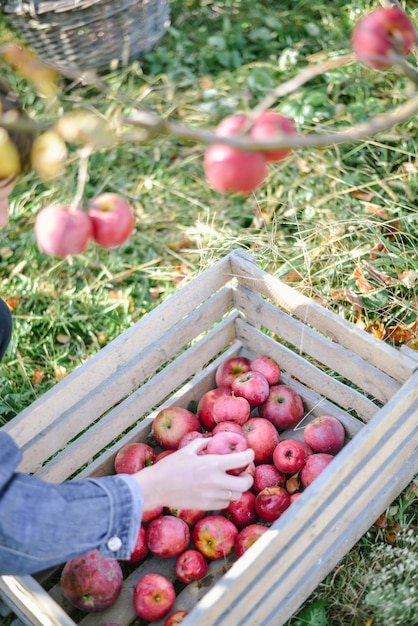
170	357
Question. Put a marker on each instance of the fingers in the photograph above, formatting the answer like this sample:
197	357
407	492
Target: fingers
235	459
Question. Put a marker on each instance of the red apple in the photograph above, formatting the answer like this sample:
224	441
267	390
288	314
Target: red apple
314	465
190	516
112	218
163	454
176	618
271	502
262	437
325	434
267	475
171	424
190	565
188	437
271	125
133	457
151	514
153	597
381	35
205	407
283	407
229	369
229	426
226	443
91	582
295	496
252	386
214	536
247	536
140	550
289	456
231	409
267	366
62	231
242	512
167	536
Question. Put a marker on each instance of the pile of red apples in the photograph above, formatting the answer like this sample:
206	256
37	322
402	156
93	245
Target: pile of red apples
249	407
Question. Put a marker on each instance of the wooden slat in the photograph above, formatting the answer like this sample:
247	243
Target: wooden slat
396	364
309	342
89	379
308	374
269	583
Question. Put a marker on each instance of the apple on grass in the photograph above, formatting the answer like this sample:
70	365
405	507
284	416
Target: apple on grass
267	475
252	386
231	408
62	230
271	503
153	597
112	219
289	456
91	582
247	536
314	465
262	436
325	434
242	512
133	457
190	565
283	407
171	424
267	366
214	536
167	536
226	443
229	369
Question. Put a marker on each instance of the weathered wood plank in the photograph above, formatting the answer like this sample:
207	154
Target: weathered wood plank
373	350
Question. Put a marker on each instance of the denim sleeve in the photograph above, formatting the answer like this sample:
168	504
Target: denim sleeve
44	524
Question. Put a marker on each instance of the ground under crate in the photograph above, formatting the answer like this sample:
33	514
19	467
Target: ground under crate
170	357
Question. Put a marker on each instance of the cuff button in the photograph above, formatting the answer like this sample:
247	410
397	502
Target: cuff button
114	544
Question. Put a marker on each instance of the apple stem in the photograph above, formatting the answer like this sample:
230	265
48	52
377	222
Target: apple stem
82	178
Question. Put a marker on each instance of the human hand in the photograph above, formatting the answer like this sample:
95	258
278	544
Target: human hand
187	480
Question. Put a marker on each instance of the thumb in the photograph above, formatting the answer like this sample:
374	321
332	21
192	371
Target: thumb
197	445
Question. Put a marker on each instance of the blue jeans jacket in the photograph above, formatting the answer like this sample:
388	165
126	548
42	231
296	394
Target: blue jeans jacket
44	524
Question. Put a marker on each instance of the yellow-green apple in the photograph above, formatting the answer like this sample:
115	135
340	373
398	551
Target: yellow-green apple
214	536
112	218
229	369
133	457
153	597
242	511
190	565
247	536
267	366
324	434
283	407
91	582
140	550
167	536
314	465
262	436
272	125
226	443
231	408
289	456
204	409
267	475
171	424
382	35
271	503
62	230
252	386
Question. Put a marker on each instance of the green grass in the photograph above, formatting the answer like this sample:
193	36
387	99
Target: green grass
322	221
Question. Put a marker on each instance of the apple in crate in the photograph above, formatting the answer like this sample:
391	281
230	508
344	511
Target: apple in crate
153	597
151	514
262	436
314	465
191	565
176	618
214	536
252	386
140	550
283	407
133	457
230	369
188	437
247	536
171	424
289	456
271	503
91	582
112	219
267	475
267	366
325	434
227	443
204	409
242	511
229	426
62	230
167	536
231	408
190	516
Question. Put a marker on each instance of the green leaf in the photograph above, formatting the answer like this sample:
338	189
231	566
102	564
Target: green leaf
313	615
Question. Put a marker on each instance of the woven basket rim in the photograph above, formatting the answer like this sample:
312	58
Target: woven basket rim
39	7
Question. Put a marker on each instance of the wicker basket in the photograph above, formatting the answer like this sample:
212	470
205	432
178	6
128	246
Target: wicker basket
77	35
